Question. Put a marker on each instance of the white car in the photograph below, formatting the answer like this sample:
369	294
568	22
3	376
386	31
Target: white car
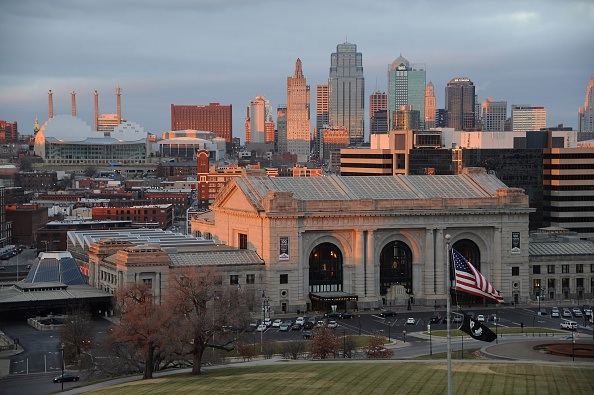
277	323
267	322
261	328
555	312
300	321
410	321
571	325
480	318
332	324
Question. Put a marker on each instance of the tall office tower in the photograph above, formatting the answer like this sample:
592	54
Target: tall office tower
459	103
298	114
493	115
8	131
430	106
346	92
269	131
406	118
211	118
258	114
586	113
281	127
406	87
526	118
378	112
440	118
322	117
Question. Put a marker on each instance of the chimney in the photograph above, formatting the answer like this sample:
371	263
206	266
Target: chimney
96	110
73	103
50	100
119	104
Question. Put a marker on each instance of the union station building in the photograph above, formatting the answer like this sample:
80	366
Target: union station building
364	242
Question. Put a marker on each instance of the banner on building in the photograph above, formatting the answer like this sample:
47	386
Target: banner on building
515	247
284	249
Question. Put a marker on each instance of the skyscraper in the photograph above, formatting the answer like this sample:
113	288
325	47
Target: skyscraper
406	87
378	112
459	104
281	126
526	118
430	106
493	115
586	113
298	114
346	90
322	117
258	115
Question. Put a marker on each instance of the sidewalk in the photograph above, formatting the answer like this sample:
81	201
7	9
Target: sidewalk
5	354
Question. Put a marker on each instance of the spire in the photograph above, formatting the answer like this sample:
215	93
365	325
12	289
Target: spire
73	103
36	126
96	94
298	69
50	100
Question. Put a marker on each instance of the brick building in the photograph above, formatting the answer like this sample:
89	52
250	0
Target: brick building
140	215
26	220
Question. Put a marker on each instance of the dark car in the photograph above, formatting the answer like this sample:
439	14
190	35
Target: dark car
332	314
347	315
436	319
388	313
66	377
306	334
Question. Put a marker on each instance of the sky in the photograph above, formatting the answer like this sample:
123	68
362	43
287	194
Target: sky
194	52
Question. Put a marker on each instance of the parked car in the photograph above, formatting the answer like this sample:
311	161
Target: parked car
332	314
571	325
347	315
555	312
306	333
436	319
267	322
277	323
587	310
410	321
542	311
285	326
387	313
332	324
297	327
261	328
566	313
5	257
493	318
577	312
480	318
457	317
300	321
66	377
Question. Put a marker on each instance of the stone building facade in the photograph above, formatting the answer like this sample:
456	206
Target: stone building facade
368	242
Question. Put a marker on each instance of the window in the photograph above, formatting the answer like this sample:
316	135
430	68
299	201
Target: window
536	269
243	243
564	268
536	283
234	279
592	268
148	282
250	278
550	269
284	278
551	283
579	268
515	270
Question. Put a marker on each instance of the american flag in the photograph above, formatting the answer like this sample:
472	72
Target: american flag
471	281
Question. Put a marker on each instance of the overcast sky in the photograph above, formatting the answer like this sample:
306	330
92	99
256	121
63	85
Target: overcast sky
229	51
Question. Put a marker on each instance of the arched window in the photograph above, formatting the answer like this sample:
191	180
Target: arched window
395	267
325	268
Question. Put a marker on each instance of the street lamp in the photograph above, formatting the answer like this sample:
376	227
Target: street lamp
343	343
62	352
359	324
389	328
430	345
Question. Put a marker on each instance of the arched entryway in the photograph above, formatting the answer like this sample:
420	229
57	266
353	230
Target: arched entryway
472	253
325	268
396	273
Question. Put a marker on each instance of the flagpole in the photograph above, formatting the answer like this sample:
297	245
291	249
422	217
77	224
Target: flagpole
449	313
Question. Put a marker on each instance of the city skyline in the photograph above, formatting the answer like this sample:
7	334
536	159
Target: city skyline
534	53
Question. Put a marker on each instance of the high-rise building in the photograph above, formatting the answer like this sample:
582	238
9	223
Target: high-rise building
346	91
298	114
459	104
406	118
526	118
258	114
281	127
406	87
430	106
8	131
378	112
493	115
211	118
586	113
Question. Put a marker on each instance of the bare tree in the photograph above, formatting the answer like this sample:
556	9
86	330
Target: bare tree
143	324
246	351
376	348
76	334
205	309
294	348
324	342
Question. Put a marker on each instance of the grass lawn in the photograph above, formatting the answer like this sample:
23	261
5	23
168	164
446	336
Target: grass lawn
371	378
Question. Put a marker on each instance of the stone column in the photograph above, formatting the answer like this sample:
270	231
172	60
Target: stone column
369	291
495	259
358	264
440	263
430	268
303	271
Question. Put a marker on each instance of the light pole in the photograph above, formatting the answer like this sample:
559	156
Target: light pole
389	335
359	324
430	345
343	343
62	353
572	346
